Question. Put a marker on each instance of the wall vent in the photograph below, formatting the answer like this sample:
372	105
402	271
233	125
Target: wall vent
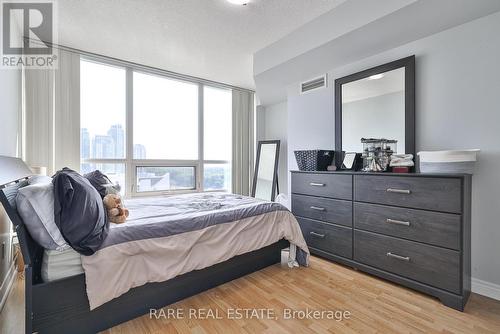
313	84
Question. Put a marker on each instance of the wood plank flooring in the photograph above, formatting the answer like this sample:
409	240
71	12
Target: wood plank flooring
375	306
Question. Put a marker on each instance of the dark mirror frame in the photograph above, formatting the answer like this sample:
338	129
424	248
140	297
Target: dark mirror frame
276	163
409	65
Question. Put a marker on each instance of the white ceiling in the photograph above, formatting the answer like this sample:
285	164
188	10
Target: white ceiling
211	39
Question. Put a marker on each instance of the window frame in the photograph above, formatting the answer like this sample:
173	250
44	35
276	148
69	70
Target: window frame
130	163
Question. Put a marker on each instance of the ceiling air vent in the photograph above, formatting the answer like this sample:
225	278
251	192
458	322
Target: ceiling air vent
313	84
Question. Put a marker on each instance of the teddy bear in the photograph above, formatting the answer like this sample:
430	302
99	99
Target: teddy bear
117	214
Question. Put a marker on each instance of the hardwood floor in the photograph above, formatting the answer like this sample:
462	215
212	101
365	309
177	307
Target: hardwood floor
375	306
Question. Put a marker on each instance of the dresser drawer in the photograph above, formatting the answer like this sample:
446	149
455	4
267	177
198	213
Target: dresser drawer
328	210
432	265
329	238
439	194
325	185
436	228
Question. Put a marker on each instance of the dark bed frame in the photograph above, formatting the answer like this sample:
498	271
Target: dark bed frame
62	306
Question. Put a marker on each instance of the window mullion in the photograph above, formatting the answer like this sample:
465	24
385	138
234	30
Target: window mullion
201	138
129	133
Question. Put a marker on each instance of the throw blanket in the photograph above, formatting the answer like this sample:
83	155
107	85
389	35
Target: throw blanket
168	236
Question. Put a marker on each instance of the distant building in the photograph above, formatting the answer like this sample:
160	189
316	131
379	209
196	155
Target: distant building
118	134
139	151
103	147
84	144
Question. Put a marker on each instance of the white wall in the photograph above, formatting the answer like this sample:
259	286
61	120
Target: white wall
10	109
311	122
277	129
260	124
272	125
375	117
457	106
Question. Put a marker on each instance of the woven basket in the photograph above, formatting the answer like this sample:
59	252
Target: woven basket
314	160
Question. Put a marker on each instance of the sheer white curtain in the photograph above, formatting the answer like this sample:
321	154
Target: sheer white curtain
51	116
243	141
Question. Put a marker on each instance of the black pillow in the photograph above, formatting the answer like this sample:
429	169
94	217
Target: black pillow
79	212
101	183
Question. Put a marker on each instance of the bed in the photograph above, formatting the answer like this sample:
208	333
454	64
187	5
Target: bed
70	299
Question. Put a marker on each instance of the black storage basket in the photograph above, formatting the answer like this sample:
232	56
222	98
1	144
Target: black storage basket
314	160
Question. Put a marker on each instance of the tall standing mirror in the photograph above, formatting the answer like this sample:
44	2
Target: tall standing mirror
265	181
376	103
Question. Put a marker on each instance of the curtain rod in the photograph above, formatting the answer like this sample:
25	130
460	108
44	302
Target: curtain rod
147	68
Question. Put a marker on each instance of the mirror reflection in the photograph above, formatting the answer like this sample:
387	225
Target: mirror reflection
374	107
265	181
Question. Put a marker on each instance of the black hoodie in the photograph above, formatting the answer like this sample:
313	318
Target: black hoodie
79	212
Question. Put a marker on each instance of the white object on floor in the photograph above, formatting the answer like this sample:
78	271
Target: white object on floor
458	161
60	264
285	253
292	256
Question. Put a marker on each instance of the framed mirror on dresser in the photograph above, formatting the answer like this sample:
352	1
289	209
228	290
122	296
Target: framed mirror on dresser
413	229
376	103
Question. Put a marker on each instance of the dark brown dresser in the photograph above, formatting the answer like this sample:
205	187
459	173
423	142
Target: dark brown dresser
411	229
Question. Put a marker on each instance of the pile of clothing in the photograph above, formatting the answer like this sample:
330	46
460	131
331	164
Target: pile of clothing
402	160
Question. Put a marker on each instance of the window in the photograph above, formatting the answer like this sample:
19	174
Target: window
145	132
217	177
165	178
218	123
103	113
165	118
218	138
102	119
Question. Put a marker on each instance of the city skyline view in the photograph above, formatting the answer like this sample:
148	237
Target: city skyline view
109	146
112	146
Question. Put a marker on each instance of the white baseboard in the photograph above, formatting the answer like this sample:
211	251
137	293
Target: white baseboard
485	288
7	285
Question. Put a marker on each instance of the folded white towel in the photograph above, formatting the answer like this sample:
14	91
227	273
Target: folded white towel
402	156
402	160
402	163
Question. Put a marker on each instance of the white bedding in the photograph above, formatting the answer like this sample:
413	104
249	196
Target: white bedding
60	264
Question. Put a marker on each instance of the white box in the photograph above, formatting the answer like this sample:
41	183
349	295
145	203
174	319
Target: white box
458	161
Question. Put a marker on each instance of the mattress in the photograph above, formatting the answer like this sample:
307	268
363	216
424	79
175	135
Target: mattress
60	264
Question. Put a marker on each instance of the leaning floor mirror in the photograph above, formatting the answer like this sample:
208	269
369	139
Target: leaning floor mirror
265	180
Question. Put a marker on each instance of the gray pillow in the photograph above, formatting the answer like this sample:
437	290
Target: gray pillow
39	179
35	204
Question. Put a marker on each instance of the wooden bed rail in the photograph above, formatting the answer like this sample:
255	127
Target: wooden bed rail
14	174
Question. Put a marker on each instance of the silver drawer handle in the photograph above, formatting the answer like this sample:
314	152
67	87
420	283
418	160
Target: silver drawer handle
317	234
398	191
399	257
397	222
314	184
317	208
